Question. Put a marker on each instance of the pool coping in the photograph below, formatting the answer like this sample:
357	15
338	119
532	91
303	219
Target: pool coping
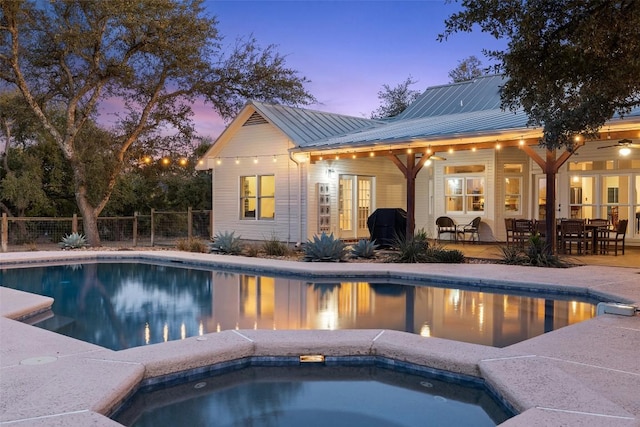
560	377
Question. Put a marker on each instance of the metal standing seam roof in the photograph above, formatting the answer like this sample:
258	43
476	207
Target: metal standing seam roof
450	125
482	93
305	126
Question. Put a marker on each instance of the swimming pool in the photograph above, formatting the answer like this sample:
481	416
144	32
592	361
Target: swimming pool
366	393
126	304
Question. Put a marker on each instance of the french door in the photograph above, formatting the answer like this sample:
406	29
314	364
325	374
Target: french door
355	205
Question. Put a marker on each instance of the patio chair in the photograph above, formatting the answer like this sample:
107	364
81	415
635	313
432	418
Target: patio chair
470	228
509	226
522	231
444	224
574	233
613	237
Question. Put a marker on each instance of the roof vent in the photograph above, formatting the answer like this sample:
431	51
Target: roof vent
255	119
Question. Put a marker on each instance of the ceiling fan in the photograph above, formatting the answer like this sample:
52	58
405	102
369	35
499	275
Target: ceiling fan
625	146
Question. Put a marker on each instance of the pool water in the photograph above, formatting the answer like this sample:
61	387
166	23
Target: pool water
129	304
315	396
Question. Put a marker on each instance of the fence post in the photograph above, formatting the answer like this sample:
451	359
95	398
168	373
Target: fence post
189	223
5	233
135	229
74	223
152	225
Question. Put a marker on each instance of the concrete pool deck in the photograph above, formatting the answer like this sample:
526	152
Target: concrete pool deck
584	374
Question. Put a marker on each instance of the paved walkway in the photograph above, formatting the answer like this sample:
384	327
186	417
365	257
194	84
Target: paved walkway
585	374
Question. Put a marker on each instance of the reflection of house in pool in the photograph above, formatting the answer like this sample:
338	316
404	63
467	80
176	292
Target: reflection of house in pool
248	302
454	152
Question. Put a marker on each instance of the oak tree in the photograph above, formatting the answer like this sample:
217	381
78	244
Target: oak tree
148	60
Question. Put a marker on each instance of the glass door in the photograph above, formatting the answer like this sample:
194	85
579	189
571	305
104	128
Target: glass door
364	204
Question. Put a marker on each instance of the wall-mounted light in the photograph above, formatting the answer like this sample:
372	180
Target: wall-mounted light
237	161
255	159
275	158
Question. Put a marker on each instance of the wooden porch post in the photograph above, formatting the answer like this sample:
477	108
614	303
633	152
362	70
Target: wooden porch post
550	166
410	171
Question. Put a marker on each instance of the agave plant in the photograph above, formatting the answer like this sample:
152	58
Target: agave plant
73	241
325	248
364	249
227	243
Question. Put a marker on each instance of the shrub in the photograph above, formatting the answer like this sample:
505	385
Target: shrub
412	250
274	247
536	254
325	248
442	255
364	249
191	245
73	241
226	243
252	250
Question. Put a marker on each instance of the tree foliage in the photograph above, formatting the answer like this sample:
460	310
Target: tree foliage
571	65
152	58
467	69
394	100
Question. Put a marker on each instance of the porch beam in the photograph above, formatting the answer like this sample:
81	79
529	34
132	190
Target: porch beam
431	147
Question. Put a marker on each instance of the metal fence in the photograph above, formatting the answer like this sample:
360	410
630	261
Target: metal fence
159	228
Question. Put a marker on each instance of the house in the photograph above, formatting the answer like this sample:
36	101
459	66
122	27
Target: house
291	173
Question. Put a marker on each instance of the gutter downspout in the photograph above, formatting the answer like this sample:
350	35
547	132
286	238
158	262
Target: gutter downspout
299	242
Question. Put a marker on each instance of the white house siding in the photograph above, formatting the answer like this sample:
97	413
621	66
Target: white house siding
458	158
390	187
261	141
424	211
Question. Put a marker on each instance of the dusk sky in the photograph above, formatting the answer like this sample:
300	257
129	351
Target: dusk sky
349	49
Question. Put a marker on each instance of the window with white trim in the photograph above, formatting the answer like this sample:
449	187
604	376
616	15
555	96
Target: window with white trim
513	189
257	197
464	189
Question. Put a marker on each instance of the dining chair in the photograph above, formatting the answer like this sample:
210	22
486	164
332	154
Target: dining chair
509	224
522	231
614	237
573	232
